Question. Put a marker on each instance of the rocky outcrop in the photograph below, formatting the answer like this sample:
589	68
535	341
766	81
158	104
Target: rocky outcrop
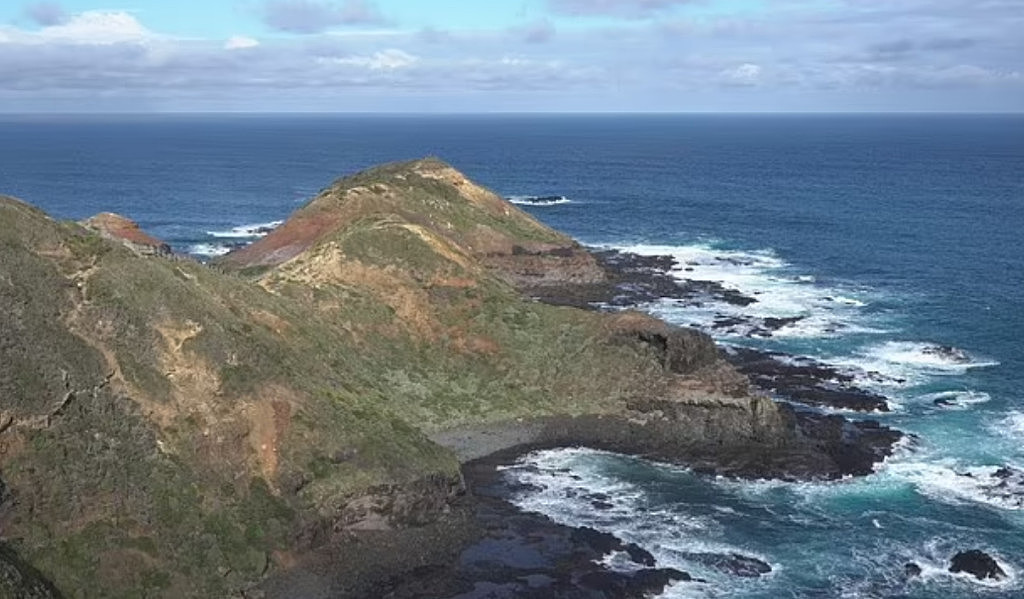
680	350
804	381
127	232
977	563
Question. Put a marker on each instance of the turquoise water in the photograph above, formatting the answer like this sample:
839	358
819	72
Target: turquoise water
890	235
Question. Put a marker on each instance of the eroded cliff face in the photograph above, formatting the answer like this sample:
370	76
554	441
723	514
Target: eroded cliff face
171	429
118	228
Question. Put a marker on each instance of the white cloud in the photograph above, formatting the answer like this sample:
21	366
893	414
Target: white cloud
97	27
239	42
385	60
745	74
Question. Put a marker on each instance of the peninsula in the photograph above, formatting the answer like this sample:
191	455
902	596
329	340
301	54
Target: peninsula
305	412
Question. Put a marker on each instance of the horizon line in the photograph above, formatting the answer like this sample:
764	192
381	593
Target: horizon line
4	113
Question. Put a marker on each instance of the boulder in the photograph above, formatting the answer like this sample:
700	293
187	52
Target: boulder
978	564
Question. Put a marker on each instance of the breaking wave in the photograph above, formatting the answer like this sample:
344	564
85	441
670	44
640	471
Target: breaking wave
252	231
524	200
209	250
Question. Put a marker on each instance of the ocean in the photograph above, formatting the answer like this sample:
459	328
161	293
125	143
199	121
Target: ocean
898	241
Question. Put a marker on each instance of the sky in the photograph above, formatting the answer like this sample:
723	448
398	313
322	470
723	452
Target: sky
512	56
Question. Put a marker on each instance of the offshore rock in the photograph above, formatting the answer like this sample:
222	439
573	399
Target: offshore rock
978	564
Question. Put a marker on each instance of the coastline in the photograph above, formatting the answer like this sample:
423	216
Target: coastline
433	511
487	547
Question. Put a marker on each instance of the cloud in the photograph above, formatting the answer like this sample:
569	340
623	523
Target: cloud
46	14
633	9
744	74
385	60
239	42
94	27
315	16
912	55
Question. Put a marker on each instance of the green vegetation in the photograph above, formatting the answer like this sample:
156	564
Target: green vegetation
172	425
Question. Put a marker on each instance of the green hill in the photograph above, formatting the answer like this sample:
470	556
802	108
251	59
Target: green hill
170	429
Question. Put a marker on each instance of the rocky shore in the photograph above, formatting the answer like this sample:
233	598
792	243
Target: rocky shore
488	548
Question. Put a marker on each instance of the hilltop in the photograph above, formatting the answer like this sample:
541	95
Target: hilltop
174	429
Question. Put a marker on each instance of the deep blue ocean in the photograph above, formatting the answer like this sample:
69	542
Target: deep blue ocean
891	235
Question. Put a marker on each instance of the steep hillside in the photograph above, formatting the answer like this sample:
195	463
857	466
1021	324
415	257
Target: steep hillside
171	429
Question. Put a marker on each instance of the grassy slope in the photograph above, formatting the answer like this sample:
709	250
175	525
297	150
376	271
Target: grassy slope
246	409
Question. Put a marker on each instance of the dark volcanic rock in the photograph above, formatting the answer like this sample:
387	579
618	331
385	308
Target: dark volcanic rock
604	543
639	555
732	563
601	542
947	352
855	446
804	381
911	570
527	556
631	280
977	563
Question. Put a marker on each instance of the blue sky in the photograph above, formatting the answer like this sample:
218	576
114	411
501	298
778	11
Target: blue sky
512	55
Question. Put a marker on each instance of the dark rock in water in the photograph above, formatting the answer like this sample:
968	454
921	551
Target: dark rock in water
732	563
658	579
775	324
911	570
604	543
947	352
978	564
601	505
601	542
639	555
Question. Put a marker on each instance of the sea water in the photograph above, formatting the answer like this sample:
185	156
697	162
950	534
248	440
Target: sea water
897	240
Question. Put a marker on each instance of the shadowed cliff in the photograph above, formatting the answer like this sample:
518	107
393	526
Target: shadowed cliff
173	429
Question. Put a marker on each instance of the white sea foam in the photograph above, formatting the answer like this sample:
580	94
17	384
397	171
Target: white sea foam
949	482
252	231
819	311
209	250
908	363
565	482
1011	426
524	200
955	400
